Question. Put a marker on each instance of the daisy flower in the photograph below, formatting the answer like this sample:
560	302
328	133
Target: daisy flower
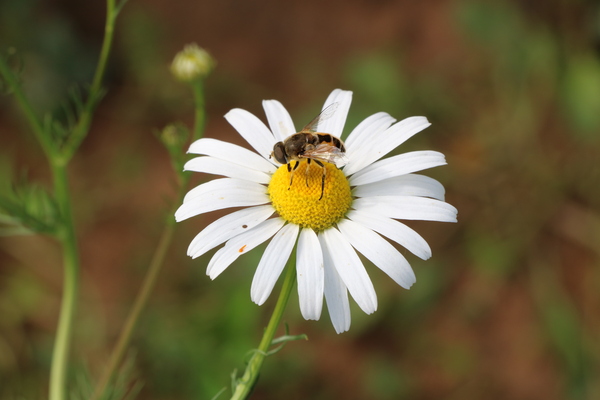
328	213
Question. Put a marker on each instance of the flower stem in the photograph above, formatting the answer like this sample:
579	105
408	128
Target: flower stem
81	129
59	159
248	380
199	111
157	261
60	357
140	301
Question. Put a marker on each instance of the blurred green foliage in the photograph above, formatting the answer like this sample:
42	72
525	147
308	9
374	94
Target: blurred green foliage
508	306
25	208
582	95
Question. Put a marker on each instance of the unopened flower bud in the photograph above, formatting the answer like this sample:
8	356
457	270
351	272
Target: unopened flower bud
192	63
174	136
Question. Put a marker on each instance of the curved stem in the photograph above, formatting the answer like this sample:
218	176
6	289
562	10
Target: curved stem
60	357
80	130
140	301
58	161
248	380
157	259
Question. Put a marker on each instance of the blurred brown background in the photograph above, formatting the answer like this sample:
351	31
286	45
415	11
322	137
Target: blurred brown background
508	306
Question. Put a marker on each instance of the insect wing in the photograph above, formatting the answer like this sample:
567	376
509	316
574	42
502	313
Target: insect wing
323	116
327	153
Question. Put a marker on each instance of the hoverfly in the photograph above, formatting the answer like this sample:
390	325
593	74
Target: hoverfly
312	146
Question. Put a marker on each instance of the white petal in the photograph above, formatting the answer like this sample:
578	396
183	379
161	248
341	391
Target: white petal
379	251
222	184
232	153
364	131
383	142
227	227
221	193
336	294
241	244
309	268
272	262
253	130
279	119
407	207
398	165
210	165
403	185
351	270
335	124
358	144
393	230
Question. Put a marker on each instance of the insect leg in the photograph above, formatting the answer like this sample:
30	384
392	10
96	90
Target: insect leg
307	170
319	163
292	170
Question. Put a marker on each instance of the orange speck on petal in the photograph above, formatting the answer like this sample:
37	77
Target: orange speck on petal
241	250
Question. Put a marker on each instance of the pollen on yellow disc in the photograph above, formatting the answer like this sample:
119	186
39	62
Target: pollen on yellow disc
300	203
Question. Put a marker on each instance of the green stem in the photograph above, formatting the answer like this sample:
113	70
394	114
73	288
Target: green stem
60	357
199	111
142	298
157	259
248	380
58	162
80	130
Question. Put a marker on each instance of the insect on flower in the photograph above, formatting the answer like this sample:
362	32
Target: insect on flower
310	145
359	211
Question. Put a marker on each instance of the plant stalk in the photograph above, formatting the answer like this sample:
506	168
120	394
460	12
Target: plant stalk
142	298
68	240
59	161
82	127
199	111
158	258
248	380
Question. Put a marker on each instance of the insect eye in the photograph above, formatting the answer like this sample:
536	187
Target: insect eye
279	153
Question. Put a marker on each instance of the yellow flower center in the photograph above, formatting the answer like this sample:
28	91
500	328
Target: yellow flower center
301	203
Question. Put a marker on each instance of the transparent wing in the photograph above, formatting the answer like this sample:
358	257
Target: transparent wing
323	115
327	153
